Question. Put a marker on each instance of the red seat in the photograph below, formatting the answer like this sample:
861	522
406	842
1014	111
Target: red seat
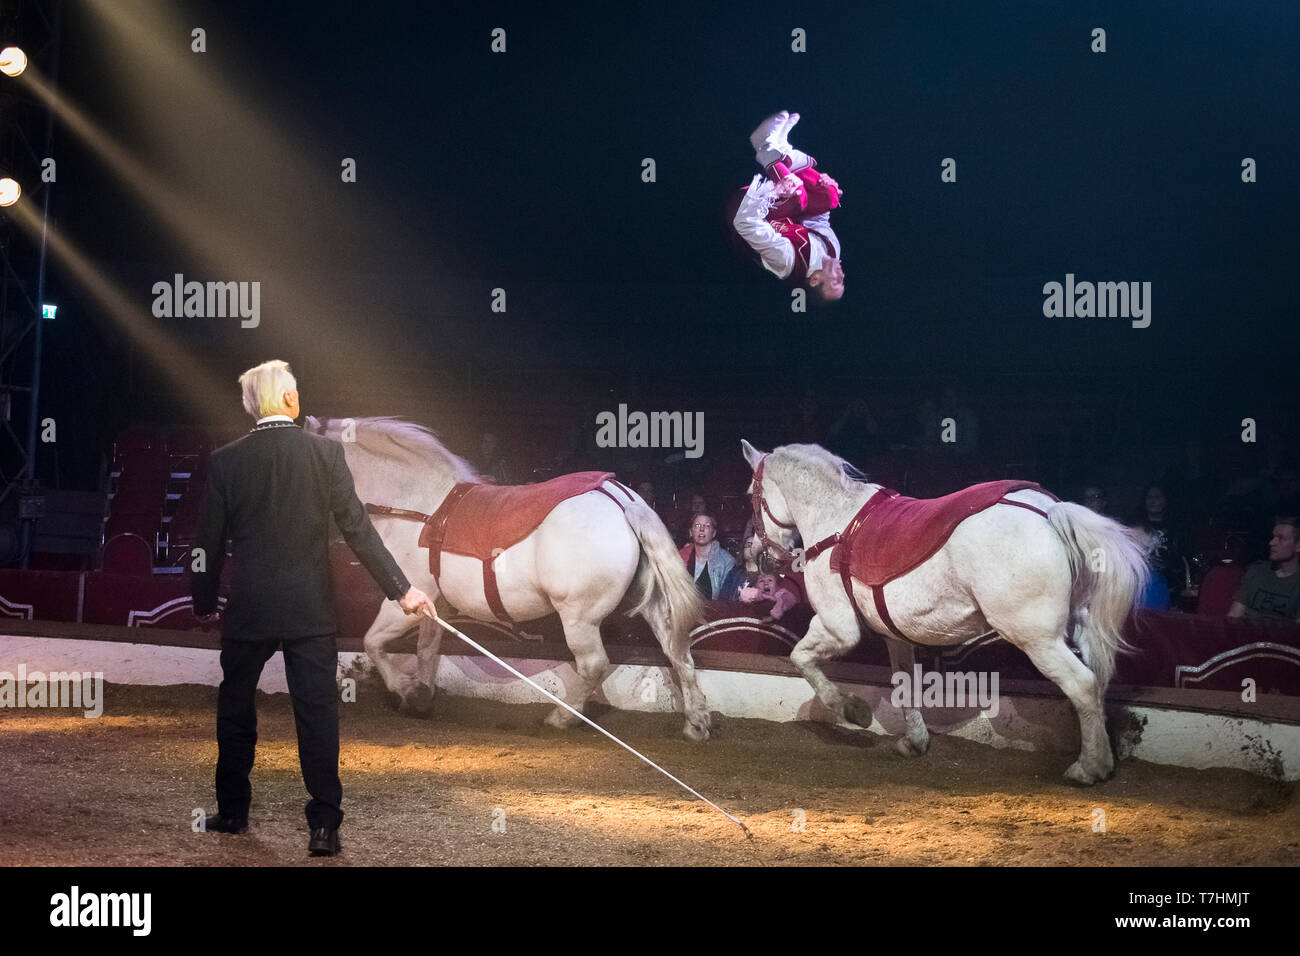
1217	589
127	554
137	501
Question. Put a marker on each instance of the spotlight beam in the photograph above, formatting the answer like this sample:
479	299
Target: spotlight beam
194	385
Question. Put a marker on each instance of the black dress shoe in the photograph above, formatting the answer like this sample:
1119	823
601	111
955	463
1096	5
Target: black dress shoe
224	824
324	841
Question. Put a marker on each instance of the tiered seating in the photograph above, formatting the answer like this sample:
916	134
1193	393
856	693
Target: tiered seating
151	472
182	530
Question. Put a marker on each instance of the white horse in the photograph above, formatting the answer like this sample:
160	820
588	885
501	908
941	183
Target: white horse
587	558
1005	569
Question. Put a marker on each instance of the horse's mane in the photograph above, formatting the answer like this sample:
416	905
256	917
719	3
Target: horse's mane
830	469
410	443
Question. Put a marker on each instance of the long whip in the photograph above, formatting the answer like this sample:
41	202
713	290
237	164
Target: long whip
484	651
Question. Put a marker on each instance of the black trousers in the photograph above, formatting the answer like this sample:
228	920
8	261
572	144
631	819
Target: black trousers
310	665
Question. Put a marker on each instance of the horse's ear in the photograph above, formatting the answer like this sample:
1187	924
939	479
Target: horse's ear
312	423
752	454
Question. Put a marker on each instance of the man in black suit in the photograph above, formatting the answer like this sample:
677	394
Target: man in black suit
272	493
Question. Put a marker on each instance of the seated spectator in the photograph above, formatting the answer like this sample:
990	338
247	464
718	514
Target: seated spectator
698	506
782	591
1095	499
744	574
707	561
1270	591
1166	546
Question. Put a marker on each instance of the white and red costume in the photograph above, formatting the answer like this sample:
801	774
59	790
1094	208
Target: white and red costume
791	236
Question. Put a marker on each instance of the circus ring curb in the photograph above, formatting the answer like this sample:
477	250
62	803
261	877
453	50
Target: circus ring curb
1199	729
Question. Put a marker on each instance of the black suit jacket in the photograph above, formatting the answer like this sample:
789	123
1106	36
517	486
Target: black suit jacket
272	493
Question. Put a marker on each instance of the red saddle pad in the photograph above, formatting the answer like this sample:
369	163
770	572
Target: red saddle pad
491	518
900	533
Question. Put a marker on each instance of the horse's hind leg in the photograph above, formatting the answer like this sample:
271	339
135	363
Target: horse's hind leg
1077	682
699	722
590	661
916	738
821	644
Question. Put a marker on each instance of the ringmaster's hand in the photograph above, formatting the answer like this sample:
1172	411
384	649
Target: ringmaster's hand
416	601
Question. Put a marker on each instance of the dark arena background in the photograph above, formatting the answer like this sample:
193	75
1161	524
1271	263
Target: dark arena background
512	224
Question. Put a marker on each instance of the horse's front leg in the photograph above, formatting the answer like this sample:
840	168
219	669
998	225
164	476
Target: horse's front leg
822	644
916	738
389	625
420	697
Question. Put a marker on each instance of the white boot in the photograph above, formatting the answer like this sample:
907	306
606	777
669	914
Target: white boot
782	138
764	139
781	141
769	128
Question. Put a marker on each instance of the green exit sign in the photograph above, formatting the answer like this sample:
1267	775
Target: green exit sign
47	311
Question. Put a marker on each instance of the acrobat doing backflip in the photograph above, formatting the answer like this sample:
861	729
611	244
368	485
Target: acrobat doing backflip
784	213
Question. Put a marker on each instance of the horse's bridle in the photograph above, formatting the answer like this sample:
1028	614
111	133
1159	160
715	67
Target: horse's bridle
784	555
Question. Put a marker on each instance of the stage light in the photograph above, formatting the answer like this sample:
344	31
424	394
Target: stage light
12	61
9	191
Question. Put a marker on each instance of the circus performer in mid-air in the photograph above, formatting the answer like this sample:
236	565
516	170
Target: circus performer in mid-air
784	213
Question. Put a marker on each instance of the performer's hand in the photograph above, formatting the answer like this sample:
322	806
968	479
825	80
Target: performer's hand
415	601
833	184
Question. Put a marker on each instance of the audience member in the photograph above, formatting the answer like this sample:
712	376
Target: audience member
707	561
1167	550
1270	591
746	573
1094	498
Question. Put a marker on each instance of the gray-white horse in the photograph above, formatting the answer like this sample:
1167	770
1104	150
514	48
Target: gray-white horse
1004	569
587	558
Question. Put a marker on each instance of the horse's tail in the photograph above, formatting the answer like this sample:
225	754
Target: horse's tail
666	595
1110	570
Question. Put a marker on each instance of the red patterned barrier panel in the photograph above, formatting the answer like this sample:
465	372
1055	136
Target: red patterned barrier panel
1171	649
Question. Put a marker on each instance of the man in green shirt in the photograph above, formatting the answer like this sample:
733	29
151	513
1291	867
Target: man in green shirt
1270	591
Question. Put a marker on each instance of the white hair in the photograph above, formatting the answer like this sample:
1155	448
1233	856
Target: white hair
264	387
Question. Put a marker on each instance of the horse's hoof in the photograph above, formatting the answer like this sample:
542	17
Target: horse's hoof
857	711
696	732
1078	775
559	719
417	704
909	748
419	701
394	701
